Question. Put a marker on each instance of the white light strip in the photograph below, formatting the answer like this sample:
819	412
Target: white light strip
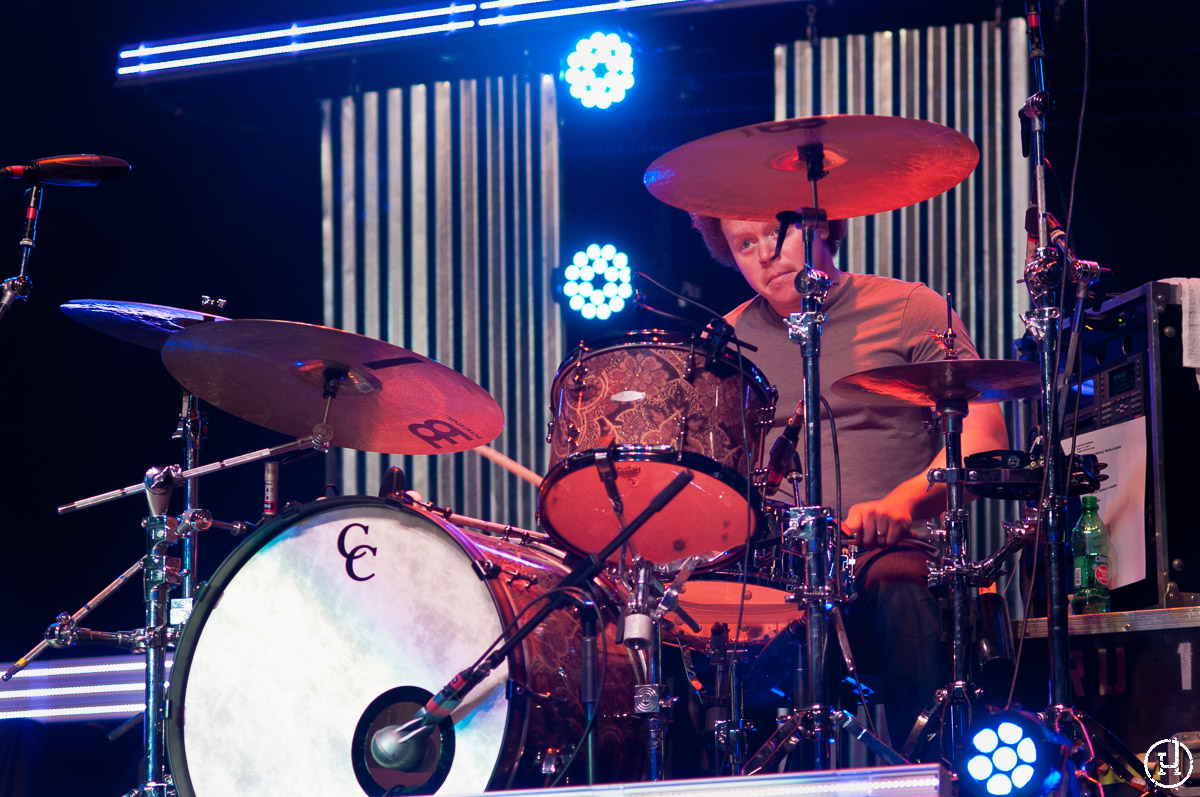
828	787
293	31
290	48
490	4
94	711
67	691
84	669
619	5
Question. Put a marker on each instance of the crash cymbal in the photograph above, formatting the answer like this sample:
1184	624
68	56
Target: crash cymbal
146	325
927	383
391	400
874	164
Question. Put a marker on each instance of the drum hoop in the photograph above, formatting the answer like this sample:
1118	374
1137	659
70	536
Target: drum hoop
232	565
639	338
664	455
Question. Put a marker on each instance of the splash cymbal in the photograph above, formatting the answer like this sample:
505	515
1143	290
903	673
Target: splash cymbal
388	399
146	325
873	163
925	384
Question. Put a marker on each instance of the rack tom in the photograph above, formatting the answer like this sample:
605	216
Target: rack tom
630	412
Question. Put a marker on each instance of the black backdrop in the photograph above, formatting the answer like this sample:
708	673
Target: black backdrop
224	200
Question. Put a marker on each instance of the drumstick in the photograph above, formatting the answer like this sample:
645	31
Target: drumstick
510	465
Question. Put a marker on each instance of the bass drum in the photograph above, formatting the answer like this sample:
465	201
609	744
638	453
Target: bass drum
344	616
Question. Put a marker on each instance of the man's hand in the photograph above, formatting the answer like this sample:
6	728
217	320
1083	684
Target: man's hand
878	524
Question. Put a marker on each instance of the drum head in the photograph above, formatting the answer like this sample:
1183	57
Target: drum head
310	629
709	517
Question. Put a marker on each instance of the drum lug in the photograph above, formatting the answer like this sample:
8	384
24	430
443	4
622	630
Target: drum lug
550	429
690	366
572	435
554	758
683	430
578	370
485	570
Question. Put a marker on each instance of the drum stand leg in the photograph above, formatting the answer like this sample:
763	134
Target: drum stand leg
956	697
642	632
159	574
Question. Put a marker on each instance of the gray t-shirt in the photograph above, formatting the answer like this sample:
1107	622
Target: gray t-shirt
871	322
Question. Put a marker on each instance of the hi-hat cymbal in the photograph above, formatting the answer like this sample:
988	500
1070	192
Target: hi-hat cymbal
925	384
874	164
146	325
390	400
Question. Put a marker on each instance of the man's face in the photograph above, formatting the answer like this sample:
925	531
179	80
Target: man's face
753	246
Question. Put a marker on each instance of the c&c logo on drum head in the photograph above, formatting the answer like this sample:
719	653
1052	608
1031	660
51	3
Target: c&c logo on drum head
355	553
433	431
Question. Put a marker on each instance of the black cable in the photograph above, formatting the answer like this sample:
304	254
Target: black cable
590	725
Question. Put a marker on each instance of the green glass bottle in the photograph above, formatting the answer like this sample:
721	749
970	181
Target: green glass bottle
1089	546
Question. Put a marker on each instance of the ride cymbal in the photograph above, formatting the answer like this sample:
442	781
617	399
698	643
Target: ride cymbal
146	325
388	399
925	384
873	164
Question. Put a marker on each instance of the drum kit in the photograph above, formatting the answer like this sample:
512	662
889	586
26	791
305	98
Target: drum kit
326	653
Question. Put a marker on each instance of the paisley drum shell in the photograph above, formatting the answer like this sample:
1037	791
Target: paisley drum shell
656	398
332	605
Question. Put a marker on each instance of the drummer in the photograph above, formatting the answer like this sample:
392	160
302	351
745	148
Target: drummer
884	452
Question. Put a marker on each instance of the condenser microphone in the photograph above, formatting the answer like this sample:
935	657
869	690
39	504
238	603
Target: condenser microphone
780	460
77	170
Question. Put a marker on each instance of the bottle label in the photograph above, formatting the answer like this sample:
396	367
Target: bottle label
1101	572
1078	576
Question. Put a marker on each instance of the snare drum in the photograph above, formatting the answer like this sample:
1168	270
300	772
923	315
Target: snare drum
343	617
629	413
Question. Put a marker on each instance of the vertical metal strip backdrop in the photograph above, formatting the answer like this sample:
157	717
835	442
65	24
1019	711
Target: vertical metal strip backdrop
970	240
440	231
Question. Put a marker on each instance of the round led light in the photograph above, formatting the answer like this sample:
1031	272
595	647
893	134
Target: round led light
986	740
1027	750
600	70
593	279
1022	775
999	785
1005	759
1010	732
980	767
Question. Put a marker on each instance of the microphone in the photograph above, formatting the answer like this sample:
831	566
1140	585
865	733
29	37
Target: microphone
403	747
780	460
270	490
77	170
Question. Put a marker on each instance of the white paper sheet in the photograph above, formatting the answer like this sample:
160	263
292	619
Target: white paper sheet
1122	496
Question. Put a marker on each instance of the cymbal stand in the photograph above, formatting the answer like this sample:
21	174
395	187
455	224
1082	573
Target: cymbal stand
20	286
191	431
1044	276
815	521
953	569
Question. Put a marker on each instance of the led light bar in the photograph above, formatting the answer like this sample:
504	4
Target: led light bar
236	48
910	780
95	688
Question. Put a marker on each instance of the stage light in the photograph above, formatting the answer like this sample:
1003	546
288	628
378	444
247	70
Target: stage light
597	281
600	70
1011	754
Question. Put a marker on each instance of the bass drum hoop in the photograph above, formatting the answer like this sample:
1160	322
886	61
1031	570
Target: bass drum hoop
662	455
518	714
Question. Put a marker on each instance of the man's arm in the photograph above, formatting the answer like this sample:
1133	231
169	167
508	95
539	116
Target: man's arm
884	522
